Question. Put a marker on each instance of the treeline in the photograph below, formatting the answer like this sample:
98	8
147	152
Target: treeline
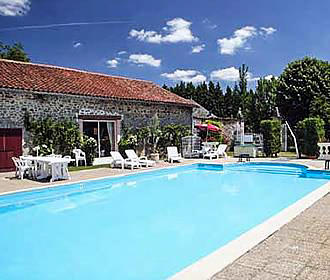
255	105
302	91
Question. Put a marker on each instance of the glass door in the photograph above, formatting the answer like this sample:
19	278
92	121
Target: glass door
91	129
104	134
107	143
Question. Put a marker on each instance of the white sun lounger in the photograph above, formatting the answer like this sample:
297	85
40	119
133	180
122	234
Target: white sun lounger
173	155
118	160
221	151
144	161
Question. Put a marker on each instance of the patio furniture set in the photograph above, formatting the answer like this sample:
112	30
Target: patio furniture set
51	166
42	167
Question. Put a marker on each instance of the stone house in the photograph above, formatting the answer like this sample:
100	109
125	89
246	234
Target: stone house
99	103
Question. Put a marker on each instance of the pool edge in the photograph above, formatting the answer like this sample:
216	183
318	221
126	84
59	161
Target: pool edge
93	179
143	171
206	267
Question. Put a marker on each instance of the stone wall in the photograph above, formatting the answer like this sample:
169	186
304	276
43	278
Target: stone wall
14	104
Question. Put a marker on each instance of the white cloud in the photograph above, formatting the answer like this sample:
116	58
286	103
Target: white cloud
267	30
14	7
269	77
177	30
122	52
237	41
230	74
144	59
240	39
197	49
185	76
77	45
112	63
227	74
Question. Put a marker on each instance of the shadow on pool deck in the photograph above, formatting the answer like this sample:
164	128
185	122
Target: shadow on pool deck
300	250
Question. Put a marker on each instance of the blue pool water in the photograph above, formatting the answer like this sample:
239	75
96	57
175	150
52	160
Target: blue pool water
144	226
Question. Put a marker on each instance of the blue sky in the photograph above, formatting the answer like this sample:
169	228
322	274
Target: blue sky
154	40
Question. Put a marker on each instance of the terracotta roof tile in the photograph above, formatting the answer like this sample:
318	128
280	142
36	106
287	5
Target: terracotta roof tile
53	79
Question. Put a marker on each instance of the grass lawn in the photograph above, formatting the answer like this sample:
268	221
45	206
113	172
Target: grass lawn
78	168
288	154
281	154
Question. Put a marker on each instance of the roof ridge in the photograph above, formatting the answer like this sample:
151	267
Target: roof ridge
76	70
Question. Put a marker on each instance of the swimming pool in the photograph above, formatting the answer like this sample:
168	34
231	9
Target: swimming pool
144	226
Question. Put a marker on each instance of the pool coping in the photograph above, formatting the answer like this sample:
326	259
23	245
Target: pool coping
207	266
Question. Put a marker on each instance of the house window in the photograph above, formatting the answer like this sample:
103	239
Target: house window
104	132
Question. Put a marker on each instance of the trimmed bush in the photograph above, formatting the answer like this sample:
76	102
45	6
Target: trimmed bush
271	130
310	131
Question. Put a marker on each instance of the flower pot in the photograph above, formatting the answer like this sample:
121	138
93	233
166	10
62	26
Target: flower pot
154	156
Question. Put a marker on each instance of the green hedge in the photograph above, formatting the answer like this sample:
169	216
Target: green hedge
310	131
271	130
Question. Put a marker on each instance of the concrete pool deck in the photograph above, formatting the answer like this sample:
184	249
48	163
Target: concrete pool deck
298	250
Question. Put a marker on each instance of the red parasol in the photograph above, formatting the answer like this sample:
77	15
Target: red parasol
208	127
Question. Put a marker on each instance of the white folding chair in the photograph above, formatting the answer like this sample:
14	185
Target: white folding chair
119	160
144	161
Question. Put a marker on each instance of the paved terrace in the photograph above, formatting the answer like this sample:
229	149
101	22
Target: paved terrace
300	250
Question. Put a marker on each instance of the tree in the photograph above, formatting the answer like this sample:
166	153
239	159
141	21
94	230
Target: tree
190	89
320	107
261	104
14	52
219	101
300	84
237	101
243	76
228	103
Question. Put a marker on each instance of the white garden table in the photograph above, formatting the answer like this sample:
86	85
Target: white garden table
55	167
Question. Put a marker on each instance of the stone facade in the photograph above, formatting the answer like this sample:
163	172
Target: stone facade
15	103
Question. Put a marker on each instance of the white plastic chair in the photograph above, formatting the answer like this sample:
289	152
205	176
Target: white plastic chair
79	155
173	155
221	151
144	161
21	167
119	160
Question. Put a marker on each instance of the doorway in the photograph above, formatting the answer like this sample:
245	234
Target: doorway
10	146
